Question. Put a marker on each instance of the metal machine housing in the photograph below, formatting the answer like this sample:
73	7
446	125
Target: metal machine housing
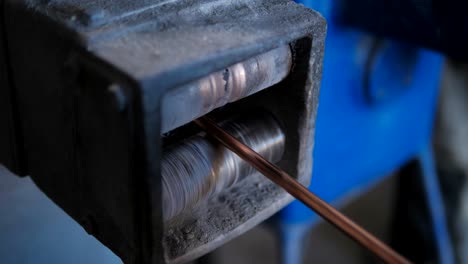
81	86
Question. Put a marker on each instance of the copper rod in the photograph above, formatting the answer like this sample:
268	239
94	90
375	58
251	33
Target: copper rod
293	187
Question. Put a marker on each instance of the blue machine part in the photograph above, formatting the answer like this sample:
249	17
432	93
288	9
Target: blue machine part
436	206
376	109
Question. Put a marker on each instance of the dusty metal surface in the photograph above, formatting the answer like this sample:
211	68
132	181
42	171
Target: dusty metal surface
199	168
300	192
244	205
89	77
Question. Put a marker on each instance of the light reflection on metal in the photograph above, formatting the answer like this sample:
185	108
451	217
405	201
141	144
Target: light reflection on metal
186	103
293	187
198	168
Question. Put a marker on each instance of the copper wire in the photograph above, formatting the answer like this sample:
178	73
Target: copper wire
293	187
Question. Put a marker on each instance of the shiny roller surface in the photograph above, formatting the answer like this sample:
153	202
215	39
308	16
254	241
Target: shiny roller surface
199	167
183	104
300	192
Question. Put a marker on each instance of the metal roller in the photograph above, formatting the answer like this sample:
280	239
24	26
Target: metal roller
186	103
198	168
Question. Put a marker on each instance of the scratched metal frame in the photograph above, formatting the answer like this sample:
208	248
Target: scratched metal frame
87	78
